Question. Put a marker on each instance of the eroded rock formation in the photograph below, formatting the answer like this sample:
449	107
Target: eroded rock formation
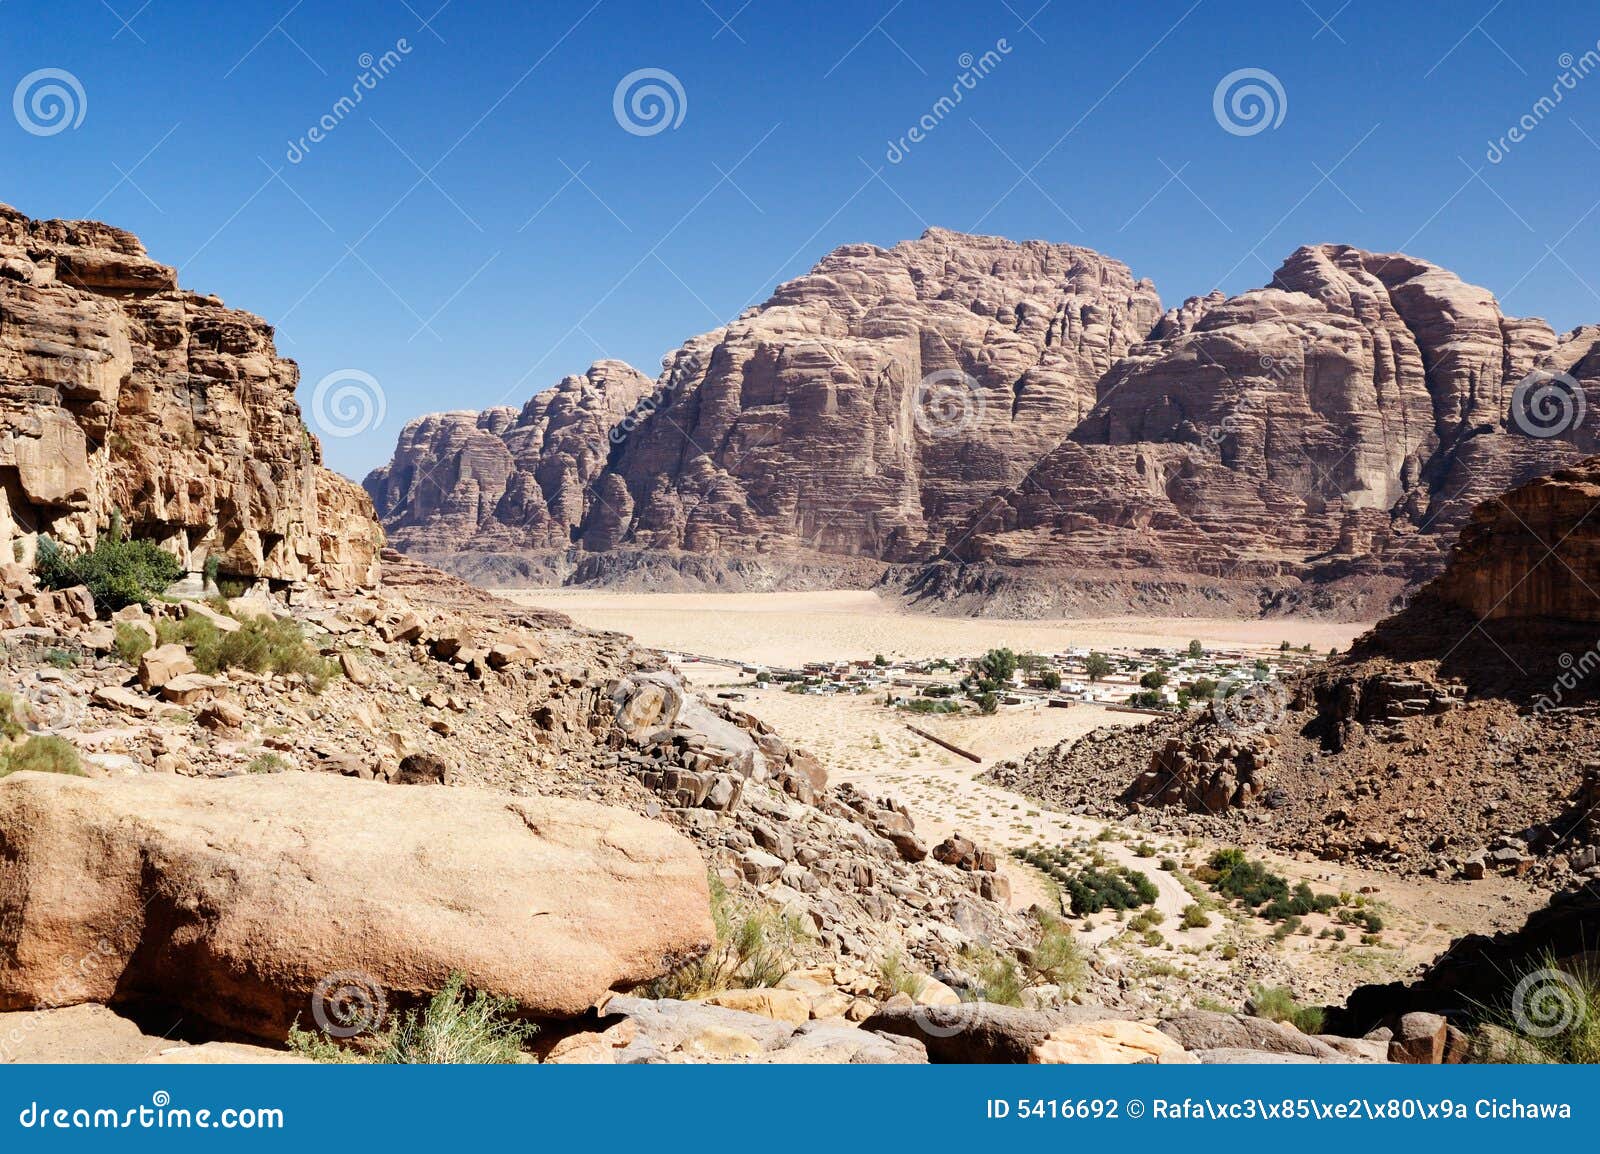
1019	427
120	392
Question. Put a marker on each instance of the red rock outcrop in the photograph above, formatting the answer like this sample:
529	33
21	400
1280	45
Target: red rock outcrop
122	393
500	481
1341	422
981	421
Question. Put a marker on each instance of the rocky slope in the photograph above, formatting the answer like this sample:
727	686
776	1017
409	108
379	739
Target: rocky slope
1459	737
121	392
1001	427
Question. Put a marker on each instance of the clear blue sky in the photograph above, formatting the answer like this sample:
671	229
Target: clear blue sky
482	224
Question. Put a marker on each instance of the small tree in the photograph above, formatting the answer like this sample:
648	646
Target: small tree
998	666
1155	679
988	703
1050	679
1196	650
880	660
1097	665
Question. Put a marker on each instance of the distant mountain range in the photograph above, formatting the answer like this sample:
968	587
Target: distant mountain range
1019	428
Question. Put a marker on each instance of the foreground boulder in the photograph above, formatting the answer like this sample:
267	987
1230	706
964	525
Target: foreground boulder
231	900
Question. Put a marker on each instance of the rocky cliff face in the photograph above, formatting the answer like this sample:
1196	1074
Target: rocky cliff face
501	481
1334	427
121	392
976	420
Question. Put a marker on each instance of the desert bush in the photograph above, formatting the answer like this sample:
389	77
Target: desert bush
266	763
1195	918
754	948
1055	958
41	755
455	1028
1280	1005
1550	1013
262	644
1116	887
10	726
897	977
117	571
131	642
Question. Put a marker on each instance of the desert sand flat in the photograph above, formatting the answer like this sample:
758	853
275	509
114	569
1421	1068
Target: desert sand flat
787	629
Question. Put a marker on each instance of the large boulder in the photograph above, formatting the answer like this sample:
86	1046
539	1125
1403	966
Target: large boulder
233	900
1210	1030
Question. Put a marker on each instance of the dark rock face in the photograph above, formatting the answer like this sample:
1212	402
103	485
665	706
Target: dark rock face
1018	427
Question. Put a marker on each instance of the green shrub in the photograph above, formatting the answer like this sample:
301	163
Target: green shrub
1116	887
754	948
261	644
1549	1013
267	763
1279	1005
41	754
1144	849
10	725
896	977
1195	918
60	658
928	705
455	1028
1234	876
1056	958
117	571
131	642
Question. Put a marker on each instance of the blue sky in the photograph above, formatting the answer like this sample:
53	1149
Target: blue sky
482	223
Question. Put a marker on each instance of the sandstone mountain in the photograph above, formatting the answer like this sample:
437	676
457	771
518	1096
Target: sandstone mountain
501	481
122	393
1018	427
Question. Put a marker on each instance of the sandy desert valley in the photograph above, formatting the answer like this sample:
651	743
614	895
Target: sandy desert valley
863	741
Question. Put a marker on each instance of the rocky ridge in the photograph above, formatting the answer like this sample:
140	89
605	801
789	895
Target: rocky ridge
1459	737
988	426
